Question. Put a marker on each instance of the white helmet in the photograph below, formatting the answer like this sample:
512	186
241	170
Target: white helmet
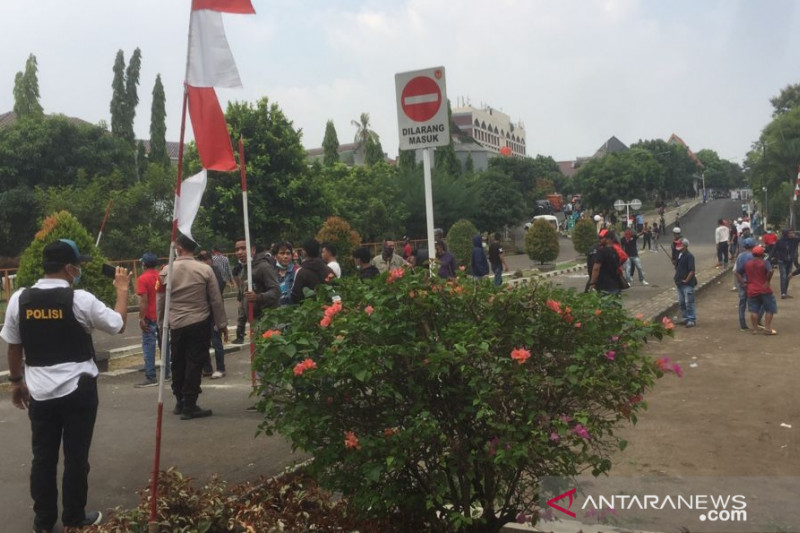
598	218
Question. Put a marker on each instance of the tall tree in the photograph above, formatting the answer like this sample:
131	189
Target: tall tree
374	153
445	156
788	99
330	145
158	125
119	102
284	200
407	160
131	93
363	133
26	90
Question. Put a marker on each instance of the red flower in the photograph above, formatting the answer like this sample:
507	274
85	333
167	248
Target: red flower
520	355
325	322
351	440
554	306
271	333
663	363
396	273
598	312
369	310
307	364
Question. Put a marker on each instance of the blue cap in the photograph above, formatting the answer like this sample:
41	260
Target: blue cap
149	259
748	242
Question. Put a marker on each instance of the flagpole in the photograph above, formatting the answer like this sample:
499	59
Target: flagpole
103	224
243	174
153	521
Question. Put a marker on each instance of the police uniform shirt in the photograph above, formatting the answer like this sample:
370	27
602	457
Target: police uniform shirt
56	381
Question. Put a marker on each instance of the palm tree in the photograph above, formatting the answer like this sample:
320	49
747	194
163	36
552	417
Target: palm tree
364	134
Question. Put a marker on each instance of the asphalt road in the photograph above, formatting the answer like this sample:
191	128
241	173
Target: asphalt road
697	225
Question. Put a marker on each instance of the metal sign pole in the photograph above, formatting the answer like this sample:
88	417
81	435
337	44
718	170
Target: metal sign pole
426	165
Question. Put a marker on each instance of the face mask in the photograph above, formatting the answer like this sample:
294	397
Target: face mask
77	279
281	266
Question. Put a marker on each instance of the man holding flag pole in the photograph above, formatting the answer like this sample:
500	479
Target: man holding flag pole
209	64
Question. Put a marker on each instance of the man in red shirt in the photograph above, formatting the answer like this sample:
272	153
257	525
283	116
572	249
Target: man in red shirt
758	273
146	290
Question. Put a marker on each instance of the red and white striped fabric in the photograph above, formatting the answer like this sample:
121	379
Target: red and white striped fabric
211	64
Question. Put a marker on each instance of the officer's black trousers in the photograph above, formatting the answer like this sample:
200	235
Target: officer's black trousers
71	419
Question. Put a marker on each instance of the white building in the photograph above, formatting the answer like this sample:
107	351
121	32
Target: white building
491	128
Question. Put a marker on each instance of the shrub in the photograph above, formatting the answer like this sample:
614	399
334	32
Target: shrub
447	400
584	236
63	225
338	231
541	242
459	240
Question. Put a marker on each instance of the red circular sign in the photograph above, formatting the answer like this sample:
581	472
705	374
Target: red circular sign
421	99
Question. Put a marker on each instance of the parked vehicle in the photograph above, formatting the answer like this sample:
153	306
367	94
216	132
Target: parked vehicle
549	218
543	207
556	201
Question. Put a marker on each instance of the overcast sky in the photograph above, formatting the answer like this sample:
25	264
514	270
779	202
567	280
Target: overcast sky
574	72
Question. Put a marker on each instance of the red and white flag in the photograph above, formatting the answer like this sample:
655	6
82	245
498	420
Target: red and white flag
211	64
189	202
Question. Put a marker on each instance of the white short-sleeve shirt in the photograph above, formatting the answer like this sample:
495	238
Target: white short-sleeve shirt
56	381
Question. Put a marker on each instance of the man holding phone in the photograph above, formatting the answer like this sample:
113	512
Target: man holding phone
50	324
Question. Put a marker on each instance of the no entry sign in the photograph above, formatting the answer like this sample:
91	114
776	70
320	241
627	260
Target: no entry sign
422	109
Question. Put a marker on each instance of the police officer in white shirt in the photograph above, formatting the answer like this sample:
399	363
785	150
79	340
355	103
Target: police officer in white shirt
50	324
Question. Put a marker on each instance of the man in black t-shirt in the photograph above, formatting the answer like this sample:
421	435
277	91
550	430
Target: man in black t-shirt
605	271
497	260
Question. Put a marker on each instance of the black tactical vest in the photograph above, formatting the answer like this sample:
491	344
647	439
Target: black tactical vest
50	332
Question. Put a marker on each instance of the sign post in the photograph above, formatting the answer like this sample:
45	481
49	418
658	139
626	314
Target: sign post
423	123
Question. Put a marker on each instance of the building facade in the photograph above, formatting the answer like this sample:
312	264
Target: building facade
491	128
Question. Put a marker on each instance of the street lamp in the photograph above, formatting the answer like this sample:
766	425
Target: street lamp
704	186
765	207
619	205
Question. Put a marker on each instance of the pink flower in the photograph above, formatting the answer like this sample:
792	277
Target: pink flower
462	268
667	323
271	333
581	431
325	322
614	338
610	355
306	364
554	437
639	316
578	325
663	363
520	355
395	273
554	306
677	369
564	418
369	310
351	440
331	310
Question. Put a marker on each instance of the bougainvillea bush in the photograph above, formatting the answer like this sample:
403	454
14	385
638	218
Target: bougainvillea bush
445	401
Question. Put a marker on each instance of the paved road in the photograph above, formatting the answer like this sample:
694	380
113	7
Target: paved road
697	226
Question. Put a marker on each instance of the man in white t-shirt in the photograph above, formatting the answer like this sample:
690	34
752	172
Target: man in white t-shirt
722	237
328	255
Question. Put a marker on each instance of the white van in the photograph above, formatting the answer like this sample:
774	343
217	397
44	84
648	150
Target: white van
549	218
